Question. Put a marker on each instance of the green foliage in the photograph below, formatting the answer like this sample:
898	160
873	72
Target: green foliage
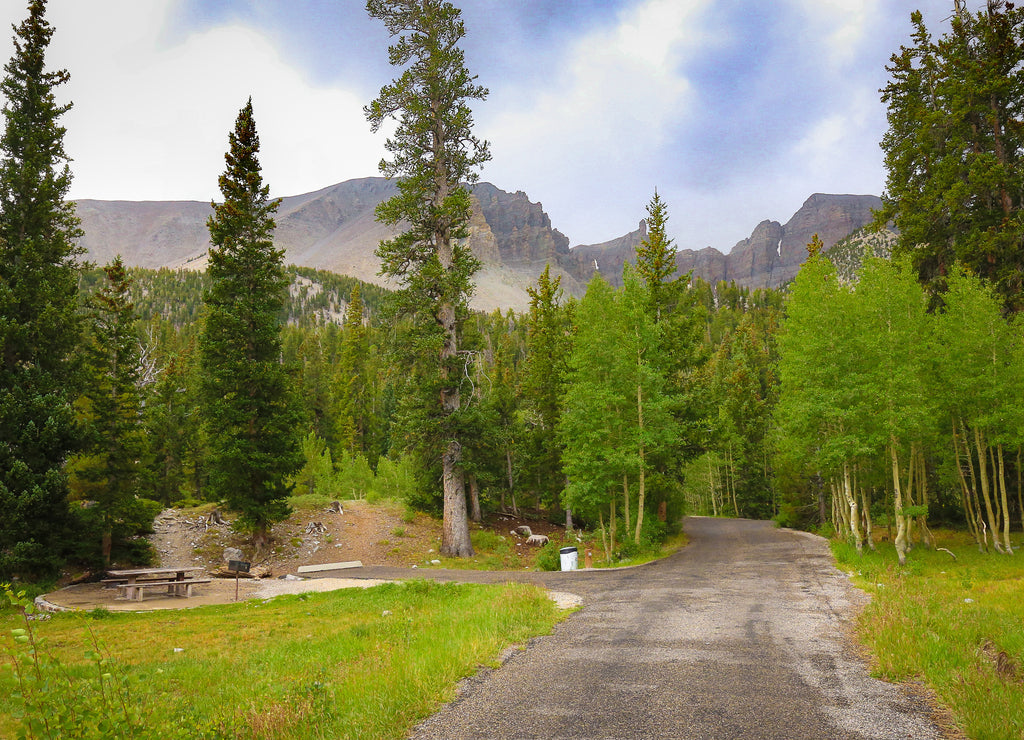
955	176
109	471
251	416
434	153
549	557
39	323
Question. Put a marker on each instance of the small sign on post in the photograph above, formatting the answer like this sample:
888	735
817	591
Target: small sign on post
238	566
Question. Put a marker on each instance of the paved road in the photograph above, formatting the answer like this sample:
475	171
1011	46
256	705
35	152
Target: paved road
739	635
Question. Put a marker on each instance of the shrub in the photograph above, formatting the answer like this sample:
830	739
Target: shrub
549	557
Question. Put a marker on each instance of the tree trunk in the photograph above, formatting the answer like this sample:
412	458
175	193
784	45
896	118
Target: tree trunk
474	498
901	521
851	500
985	490
970	496
511	485
611	526
568	520
1020	499
1006	503
625	500
642	493
868	530
455	542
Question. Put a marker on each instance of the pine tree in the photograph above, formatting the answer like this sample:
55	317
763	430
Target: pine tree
548	327
656	255
109	471
954	150
251	417
434	152
39	323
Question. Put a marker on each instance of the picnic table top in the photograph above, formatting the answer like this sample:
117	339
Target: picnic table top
154	571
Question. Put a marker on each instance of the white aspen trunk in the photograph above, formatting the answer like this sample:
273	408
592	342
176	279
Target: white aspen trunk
731	466
922	482
711	484
901	521
985	491
625	500
851	501
1006	503
908	493
642	487
612	526
1020	499
868	529
970	496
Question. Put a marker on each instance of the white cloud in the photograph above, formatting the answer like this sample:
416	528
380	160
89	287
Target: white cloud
151	118
615	101
838	28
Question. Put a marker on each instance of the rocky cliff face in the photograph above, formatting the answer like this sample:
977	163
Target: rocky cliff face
335	229
769	257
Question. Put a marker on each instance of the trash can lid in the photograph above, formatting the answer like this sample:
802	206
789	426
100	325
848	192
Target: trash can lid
567	549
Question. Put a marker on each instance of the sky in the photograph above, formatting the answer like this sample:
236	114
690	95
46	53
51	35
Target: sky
734	110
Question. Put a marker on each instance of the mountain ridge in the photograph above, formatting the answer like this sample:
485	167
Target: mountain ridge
335	229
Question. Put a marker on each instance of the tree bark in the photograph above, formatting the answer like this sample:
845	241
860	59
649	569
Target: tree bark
474	498
642	493
625	500
985	489
455	542
901	521
1005	502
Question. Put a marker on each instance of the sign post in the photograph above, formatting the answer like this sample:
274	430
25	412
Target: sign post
238	566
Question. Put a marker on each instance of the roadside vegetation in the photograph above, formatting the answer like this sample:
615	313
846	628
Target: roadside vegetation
355	663
953	624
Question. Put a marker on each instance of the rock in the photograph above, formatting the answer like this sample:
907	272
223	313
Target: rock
522	531
232	553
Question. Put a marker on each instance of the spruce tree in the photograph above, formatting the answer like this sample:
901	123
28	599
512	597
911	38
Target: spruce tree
109	471
954	150
251	417
39	323
434	152
656	255
548	345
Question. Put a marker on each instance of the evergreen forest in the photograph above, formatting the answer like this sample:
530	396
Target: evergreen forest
877	392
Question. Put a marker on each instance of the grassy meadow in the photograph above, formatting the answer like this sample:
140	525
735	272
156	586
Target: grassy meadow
356	663
955	625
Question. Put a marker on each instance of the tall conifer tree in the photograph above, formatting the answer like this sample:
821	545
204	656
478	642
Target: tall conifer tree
434	152
109	471
39	324
252	418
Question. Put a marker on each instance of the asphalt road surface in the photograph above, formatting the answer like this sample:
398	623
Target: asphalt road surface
742	634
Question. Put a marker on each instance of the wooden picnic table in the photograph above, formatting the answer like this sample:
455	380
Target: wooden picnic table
133	583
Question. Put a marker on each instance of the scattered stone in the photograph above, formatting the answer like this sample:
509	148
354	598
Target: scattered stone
435	562
232	553
522	531
179	650
386	613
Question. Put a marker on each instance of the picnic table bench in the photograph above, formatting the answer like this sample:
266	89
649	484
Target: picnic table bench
132	584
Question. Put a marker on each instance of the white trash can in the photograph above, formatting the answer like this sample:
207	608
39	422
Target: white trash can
569	557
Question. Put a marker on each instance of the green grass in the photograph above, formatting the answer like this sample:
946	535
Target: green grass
346	664
957	625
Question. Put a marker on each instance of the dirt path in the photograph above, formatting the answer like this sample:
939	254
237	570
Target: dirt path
740	635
